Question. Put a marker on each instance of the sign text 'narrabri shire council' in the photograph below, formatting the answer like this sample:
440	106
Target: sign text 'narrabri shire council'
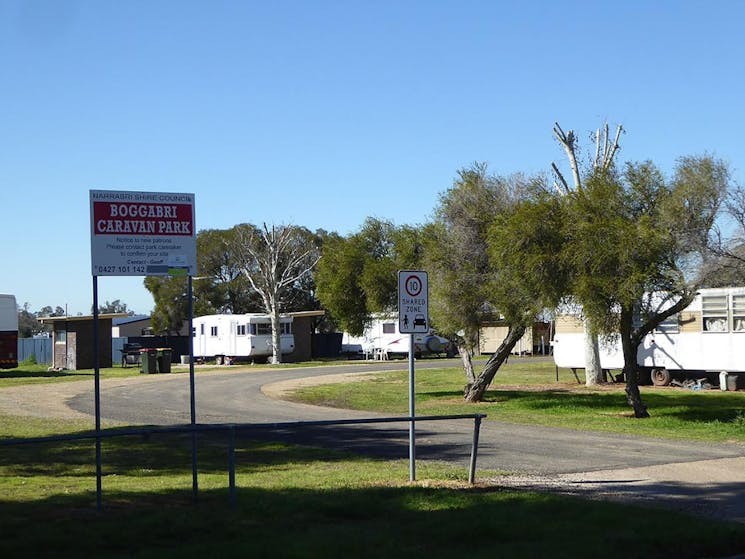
142	233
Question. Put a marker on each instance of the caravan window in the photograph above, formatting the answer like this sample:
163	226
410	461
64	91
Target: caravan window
263	329
738	313
213	331
714	313
201	329
240	329
286	327
389	328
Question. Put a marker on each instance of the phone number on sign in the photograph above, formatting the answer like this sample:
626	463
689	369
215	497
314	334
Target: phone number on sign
120	269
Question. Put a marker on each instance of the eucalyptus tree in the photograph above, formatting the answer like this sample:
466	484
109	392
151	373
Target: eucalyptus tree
274	258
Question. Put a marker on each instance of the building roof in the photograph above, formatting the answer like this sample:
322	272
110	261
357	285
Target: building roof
299	314
102	316
130	319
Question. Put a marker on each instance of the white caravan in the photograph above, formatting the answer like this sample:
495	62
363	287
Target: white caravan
705	337
239	336
382	339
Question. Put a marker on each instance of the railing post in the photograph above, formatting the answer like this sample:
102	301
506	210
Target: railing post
474	449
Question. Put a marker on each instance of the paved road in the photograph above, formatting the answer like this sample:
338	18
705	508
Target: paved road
699	477
237	397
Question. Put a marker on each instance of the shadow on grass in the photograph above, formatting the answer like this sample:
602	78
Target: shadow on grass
350	520
168	453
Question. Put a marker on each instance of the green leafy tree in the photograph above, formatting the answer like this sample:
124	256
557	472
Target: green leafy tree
28	326
171	298
49	311
632	236
470	283
337	279
115	306
357	275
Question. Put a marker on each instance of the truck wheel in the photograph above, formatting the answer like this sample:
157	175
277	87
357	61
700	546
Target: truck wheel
661	377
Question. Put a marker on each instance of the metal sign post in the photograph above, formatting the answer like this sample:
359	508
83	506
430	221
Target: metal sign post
97	395
413	318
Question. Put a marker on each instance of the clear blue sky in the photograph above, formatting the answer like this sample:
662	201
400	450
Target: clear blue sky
321	113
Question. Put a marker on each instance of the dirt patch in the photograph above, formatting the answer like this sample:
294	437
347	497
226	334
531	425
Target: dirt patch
50	399
710	488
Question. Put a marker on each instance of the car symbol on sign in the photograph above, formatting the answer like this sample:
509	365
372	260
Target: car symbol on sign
419	320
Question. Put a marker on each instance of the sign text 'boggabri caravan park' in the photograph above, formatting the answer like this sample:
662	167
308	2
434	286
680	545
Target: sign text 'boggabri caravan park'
142	233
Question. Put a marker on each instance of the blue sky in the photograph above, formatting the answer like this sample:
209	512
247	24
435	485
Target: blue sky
321	113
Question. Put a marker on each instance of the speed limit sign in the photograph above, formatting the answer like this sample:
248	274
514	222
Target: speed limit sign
413	303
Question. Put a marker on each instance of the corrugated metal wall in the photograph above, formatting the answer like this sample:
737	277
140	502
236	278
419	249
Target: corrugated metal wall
41	349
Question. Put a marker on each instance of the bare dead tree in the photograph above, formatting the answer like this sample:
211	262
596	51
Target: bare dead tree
605	151
569	143
273	259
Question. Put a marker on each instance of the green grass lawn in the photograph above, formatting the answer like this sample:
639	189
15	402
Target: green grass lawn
37	374
304	502
526	391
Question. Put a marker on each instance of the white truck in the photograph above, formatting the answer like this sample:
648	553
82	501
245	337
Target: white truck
8	332
704	339
381	340
230	337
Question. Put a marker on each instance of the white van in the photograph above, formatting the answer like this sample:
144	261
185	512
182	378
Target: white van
383	340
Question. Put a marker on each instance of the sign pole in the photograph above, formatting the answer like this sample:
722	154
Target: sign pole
194	476
412	423
413	318
97	394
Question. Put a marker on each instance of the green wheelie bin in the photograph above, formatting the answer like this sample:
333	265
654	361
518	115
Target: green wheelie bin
148	360
164	359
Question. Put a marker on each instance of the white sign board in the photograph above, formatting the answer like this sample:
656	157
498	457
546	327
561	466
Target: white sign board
142	234
413	302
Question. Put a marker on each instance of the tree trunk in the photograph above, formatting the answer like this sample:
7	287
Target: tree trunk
593	371
630	366
475	393
276	333
466	354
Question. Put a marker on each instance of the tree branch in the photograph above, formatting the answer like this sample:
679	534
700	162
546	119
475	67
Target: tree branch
569	140
561	179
